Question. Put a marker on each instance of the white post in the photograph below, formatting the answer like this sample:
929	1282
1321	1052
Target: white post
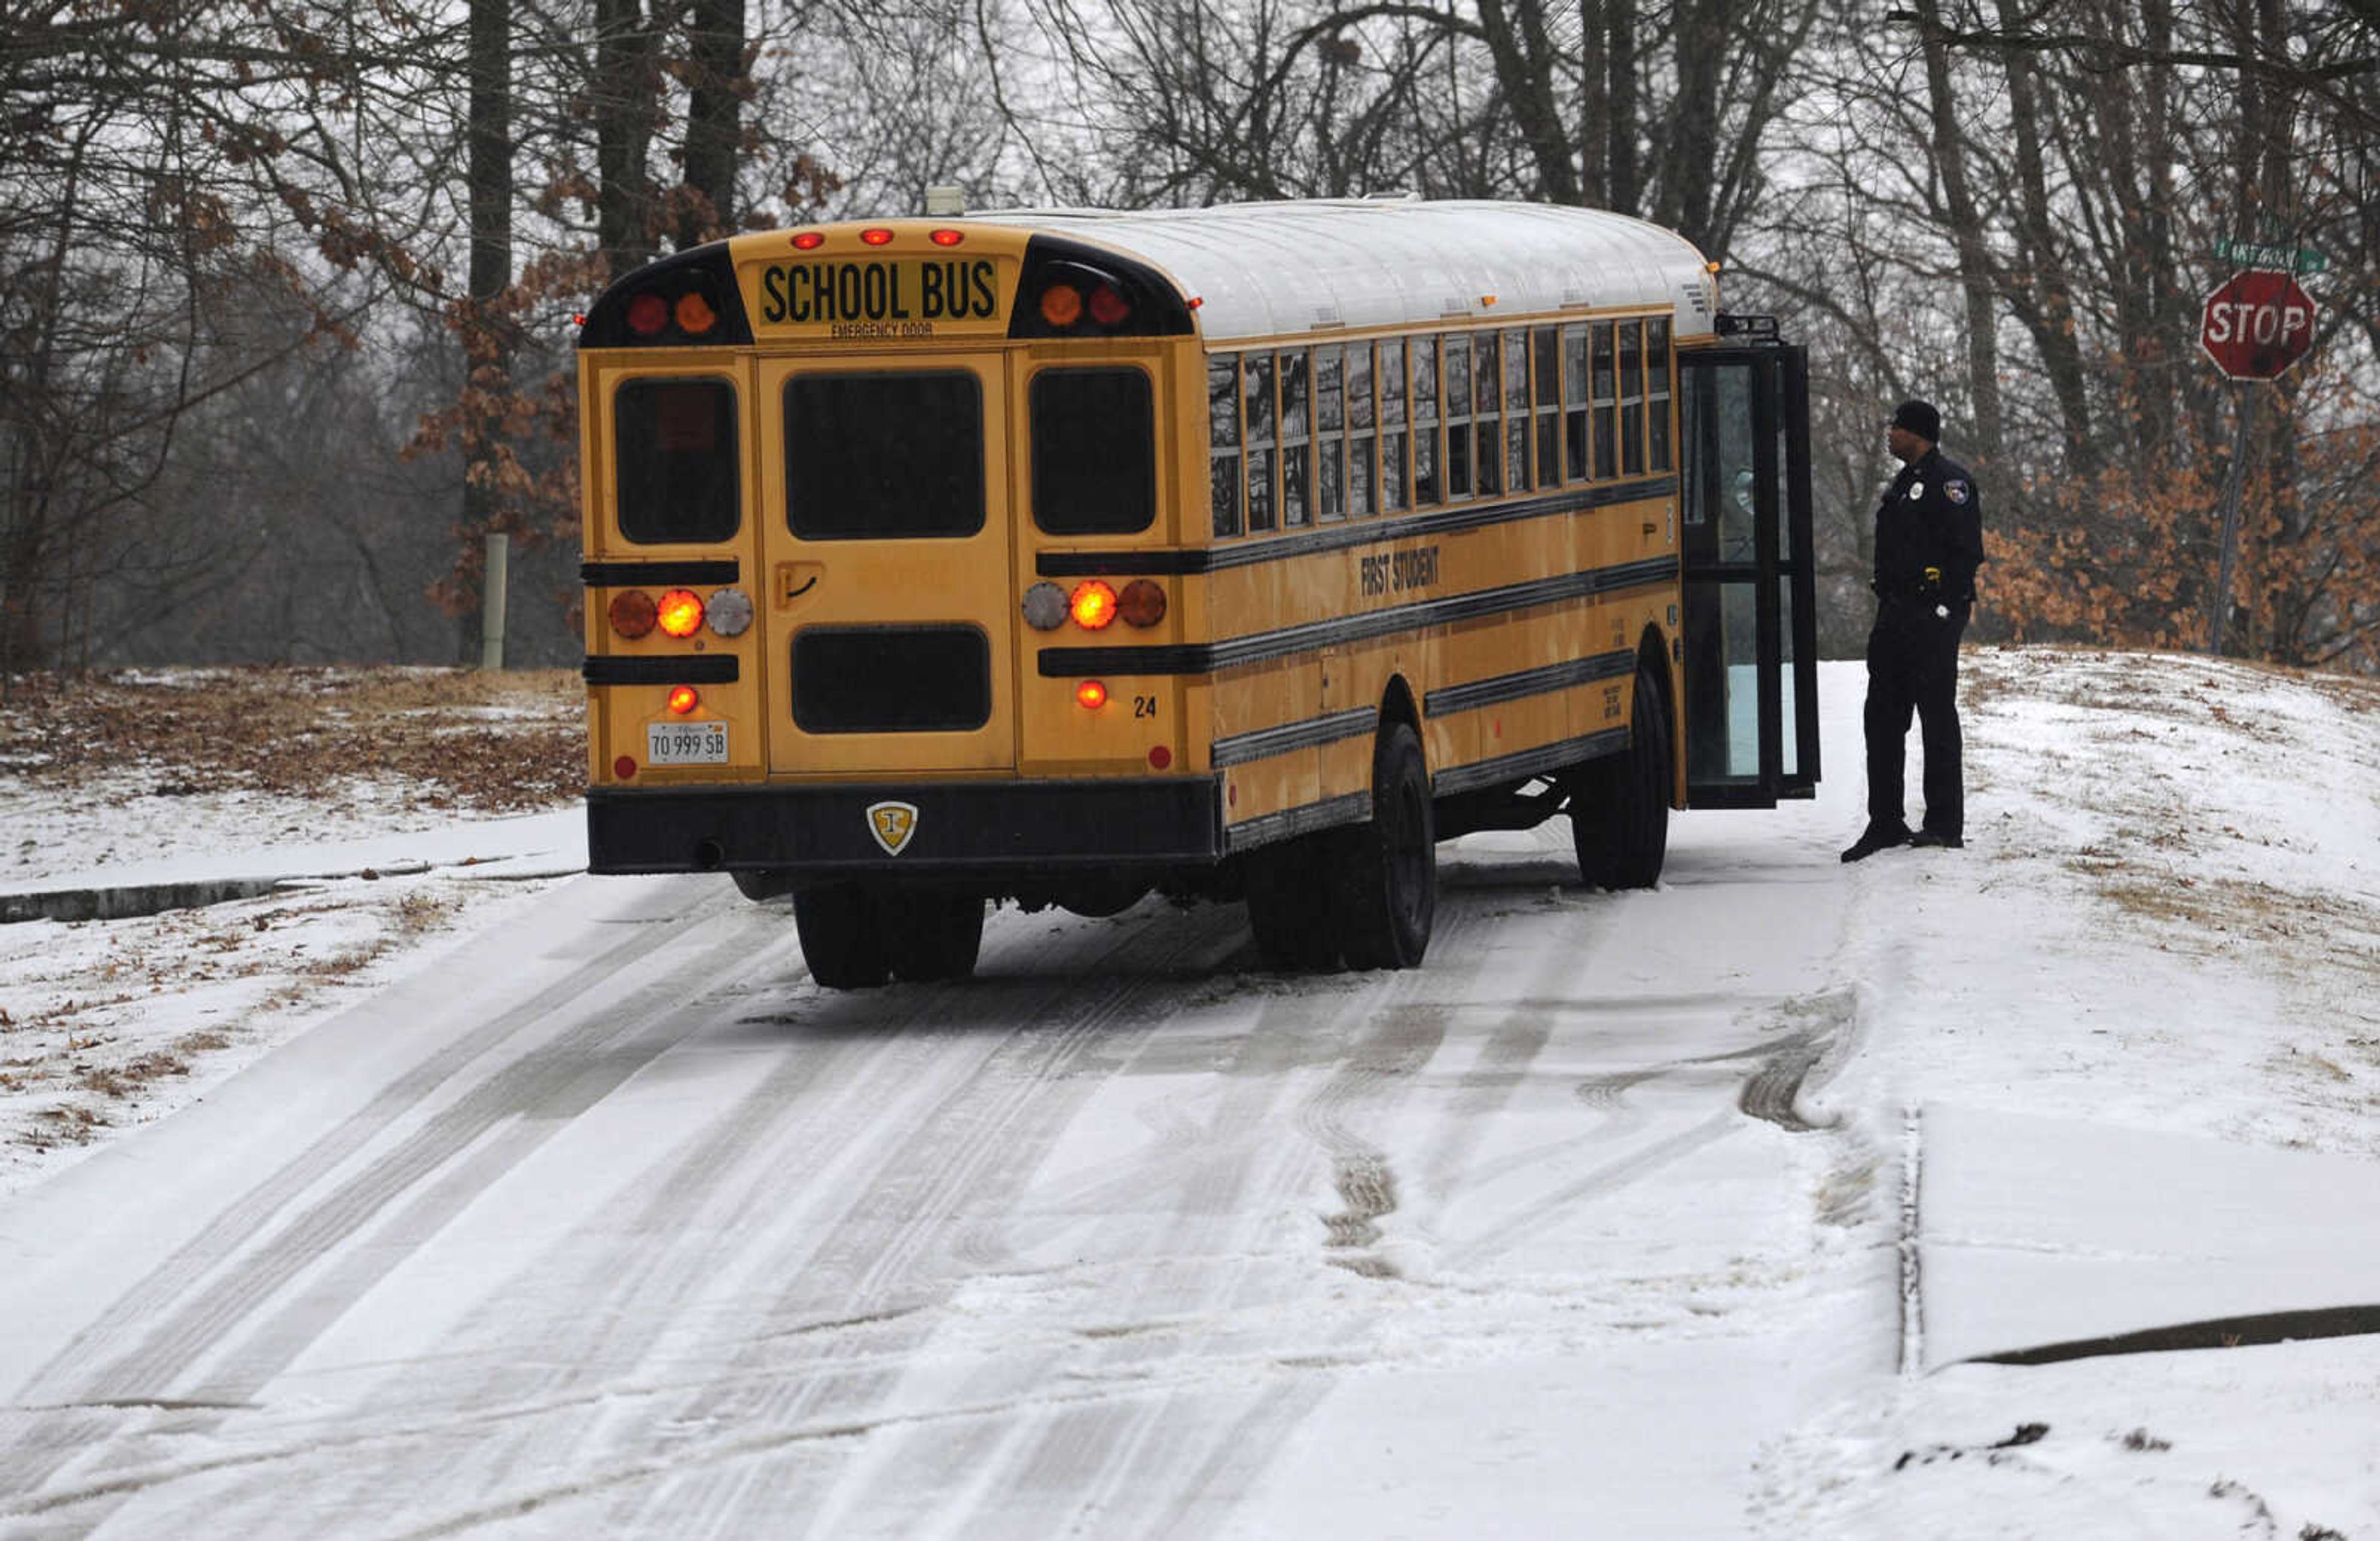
491	604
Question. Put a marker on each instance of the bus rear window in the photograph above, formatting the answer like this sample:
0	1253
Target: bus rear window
1094	452
674	460
883	456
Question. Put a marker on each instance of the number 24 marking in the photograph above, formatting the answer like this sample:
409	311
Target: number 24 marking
1144	706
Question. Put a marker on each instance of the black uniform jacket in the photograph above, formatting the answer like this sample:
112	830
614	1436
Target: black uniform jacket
1932	516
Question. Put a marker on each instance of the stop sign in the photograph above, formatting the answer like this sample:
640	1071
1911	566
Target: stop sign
2257	324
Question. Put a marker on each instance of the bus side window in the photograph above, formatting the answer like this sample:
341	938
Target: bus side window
675	461
1425	421
1487	410
1574	403
1605	442
1458	416
1516	411
1392	423
1632	398
1223	441
1256	396
1660	361
1362	458
1545	405
1329	433
1297	445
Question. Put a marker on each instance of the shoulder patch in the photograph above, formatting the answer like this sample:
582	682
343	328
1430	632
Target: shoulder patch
1955	491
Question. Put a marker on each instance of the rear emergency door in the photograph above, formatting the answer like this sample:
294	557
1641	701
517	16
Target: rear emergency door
1751	622
886	539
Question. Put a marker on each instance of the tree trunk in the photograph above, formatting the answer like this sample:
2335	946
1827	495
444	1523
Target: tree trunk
488	343
1626	176
2047	298
715	90
1974	260
1595	125
625	101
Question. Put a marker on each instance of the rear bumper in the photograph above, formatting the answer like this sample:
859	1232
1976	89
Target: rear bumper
960	829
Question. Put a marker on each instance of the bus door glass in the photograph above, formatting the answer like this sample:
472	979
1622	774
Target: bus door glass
1751	623
886	541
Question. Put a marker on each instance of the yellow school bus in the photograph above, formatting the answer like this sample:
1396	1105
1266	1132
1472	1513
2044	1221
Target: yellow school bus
1238	552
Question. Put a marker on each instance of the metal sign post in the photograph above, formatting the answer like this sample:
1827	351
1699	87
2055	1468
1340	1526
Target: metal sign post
2253	326
2245	402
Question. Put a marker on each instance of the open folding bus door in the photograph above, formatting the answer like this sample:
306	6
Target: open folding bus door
1751	616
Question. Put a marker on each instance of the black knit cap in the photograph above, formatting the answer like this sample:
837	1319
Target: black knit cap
1918	418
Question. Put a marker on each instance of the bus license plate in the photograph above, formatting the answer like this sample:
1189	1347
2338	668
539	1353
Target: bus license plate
686	742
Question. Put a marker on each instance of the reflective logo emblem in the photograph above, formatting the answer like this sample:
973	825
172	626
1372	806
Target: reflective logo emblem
893	824
1916	491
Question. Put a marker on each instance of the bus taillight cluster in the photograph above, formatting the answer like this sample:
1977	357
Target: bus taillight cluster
653	312
1095	605
679	612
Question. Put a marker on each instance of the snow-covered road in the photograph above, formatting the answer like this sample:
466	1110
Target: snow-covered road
1599	1224
613	1222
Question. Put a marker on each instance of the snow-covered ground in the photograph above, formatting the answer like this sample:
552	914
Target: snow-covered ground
1685	1213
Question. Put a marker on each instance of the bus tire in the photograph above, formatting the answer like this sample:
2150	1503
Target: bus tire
1289	906
1619	805
933	936
1388	871
843	939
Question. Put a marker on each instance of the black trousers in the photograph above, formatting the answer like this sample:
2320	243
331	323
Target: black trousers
1912	666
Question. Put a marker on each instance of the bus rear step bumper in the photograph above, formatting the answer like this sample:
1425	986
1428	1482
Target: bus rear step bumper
973	829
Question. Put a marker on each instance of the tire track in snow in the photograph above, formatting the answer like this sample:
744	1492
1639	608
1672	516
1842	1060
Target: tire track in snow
224	1282
907	1239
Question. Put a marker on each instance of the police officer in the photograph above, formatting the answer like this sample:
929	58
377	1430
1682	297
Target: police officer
1929	540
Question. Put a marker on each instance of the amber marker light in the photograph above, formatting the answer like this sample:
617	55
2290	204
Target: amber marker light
695	315
683	698
1091	694
877	236
808	240
1061	305
681	613
1093	605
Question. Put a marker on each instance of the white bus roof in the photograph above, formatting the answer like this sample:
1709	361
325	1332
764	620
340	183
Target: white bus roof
1268	270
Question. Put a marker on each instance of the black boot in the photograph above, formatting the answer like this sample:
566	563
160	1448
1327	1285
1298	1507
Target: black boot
1876	838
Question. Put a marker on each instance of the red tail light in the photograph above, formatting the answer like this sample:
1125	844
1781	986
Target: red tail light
948	237
1142	603
683	698
648	313
1109	308
808	240
877	236
633	614
1091	694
